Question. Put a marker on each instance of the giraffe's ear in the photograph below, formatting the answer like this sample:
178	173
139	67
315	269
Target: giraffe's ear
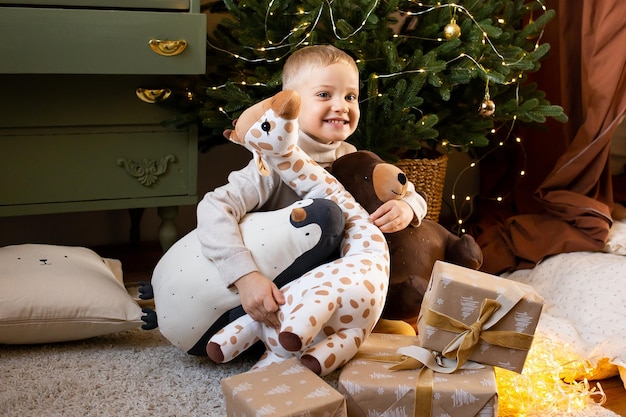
261	165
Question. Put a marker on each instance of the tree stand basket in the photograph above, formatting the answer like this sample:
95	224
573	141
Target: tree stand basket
428	176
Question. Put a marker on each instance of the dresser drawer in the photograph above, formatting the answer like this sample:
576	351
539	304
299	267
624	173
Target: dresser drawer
86	41
61	166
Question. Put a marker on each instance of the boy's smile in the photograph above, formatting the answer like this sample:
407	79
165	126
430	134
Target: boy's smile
330	108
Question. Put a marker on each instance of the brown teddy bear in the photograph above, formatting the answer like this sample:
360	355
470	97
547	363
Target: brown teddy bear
413	250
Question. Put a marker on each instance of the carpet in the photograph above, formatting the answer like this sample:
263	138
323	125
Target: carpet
133	373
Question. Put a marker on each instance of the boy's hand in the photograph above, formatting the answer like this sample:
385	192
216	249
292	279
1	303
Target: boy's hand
260	298
392	216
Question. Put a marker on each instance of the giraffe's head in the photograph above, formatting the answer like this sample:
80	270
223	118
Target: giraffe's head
270	127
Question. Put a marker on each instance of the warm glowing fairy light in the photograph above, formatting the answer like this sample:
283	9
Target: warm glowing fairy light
540	389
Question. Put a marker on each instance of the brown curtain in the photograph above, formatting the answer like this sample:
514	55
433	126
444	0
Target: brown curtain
568	209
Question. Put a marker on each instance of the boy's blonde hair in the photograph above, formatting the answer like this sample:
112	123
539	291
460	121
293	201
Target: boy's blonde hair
314	56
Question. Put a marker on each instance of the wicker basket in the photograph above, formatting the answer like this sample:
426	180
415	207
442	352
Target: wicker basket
428	176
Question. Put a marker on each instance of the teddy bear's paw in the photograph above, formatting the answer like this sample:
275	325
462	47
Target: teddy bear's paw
149	318
214	352
290	341
312	363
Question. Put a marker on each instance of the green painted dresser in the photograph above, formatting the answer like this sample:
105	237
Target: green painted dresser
83	94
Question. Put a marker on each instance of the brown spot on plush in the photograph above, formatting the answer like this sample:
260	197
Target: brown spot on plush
345	281
272	341
370	287
346	319
330	360
331	306
266	146
322	292
298	165
354	304
366	313
290	127
312	320
233	340
284	166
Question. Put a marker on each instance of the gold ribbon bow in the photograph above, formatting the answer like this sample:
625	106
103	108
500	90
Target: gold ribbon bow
469	336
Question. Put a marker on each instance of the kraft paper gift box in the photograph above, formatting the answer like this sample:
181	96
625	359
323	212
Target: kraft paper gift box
373	389
472	315
282	389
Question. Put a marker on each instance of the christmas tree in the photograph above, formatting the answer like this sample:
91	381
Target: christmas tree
440	76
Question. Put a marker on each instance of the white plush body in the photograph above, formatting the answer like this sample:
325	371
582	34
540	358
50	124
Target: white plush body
330	310
190	295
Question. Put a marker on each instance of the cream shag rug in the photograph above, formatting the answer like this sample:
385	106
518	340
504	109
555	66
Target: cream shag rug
134	373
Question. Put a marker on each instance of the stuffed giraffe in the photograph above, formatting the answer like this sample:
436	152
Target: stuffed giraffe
330	310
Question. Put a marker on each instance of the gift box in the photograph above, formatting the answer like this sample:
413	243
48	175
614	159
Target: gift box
471	315
372	388
282	389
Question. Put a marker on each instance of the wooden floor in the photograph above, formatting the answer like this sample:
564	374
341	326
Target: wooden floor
138	263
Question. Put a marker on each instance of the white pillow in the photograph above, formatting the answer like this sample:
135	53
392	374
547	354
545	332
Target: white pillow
584	308
58	293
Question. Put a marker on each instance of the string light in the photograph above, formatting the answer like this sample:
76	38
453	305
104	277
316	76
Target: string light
289	40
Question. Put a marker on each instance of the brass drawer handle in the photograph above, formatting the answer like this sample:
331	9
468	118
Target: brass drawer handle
167	48
153	96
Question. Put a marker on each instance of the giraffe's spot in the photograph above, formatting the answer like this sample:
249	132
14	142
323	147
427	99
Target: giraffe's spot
312	321
349	205
233	340
346	319
319	274
357	236
298	165
296	308
313	177
289	127
322	292
284	166
366	313
345	281
354	304
370	287
331	306
378	238
328	330
330	360
256	133
302	177
330	344
272	341
265	146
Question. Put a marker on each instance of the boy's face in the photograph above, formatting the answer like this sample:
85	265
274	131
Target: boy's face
330	108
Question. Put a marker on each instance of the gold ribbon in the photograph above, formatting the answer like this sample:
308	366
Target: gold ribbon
469	336
423	384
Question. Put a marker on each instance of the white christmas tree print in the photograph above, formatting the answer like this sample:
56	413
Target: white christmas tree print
462	397
468	306
401	390
293	370
522	321
320	392
243	387
279	389
266	410
352	387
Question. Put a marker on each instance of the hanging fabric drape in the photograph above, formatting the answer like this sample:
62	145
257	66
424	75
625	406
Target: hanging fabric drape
575	199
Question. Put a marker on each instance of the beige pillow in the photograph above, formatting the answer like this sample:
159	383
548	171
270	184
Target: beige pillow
54	293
